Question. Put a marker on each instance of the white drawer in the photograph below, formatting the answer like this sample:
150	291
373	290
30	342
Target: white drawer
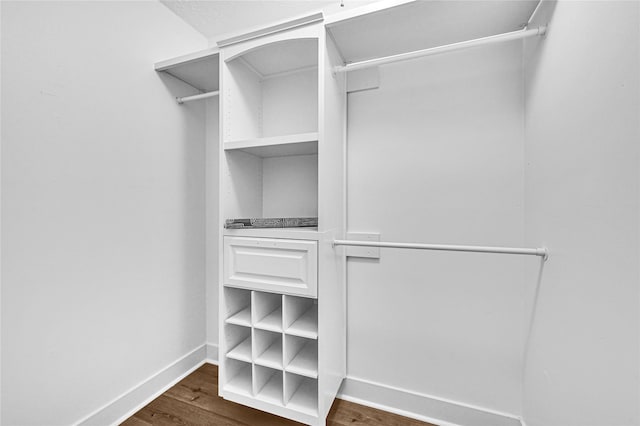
277	265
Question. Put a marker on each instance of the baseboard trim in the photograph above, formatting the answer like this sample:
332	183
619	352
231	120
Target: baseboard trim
212	353
146	391
422	407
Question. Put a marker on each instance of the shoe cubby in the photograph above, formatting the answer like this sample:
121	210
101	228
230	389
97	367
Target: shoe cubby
238	306
301	356
268	384
268	348
301	393
238	342
267	311
272	348
301	317
239	377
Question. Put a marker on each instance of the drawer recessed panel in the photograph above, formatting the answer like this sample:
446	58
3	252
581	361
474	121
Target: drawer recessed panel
283	266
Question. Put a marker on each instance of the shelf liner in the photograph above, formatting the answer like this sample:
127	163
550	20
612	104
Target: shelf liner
271	222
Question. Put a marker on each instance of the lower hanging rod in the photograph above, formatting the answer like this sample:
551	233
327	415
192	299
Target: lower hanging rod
197	97
514	35
543	252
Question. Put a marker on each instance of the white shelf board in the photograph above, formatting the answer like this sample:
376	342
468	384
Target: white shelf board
272	356
403	27
198	69
241	318
306	325
271	322
271	392
305	363
305	399
242	352
287	233
277	146
241	382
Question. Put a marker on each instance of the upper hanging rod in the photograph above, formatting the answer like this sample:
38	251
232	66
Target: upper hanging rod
196	97
514	35
477	249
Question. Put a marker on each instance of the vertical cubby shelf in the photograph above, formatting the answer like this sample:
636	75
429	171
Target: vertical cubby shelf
282	117
264	360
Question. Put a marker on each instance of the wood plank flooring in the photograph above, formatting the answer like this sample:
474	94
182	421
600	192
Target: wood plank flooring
195	401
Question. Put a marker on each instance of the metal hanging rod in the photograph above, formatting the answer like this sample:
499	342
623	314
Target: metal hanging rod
196	97
514	35
543	252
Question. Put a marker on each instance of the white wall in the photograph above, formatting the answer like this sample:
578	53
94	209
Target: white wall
436	156
582	147
102	205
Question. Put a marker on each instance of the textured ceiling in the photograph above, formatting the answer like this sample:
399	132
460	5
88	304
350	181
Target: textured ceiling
217	18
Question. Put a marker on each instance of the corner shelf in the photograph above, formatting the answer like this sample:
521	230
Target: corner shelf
198	69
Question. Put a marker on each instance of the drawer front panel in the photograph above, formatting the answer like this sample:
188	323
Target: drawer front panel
282	266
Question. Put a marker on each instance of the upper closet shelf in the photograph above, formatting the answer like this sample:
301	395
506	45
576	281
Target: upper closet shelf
401	26
199	69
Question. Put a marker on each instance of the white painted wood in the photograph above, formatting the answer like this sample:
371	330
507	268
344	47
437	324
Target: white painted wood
240	377
267	308
290	102
424	24
283	57
301	317
277	409
241	192
301	356
242	100
277	146
305	396
290	186
278	27
368	252
267	347
284	266
286	233
198	69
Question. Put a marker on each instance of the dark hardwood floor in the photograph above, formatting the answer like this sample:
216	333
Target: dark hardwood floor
195	401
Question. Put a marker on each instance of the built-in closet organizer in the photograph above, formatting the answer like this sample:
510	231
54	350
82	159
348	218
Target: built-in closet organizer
282	292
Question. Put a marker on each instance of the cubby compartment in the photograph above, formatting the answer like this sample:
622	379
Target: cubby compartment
238	342
237	306
268	348
301	317
272	91
268	385
301	393
267	311
301	356
270	187
239	377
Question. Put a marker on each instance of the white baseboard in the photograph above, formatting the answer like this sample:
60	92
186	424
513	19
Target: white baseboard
212	353
146	391
420	406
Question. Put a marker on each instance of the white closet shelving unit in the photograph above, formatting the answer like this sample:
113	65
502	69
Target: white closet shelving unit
282	154
282	298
